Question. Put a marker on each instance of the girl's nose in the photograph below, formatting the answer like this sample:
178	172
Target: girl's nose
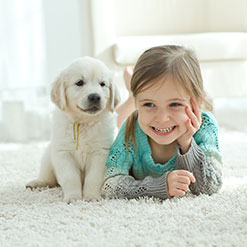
162	116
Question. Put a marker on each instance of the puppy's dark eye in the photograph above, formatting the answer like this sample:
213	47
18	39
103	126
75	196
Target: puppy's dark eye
80	83
102	84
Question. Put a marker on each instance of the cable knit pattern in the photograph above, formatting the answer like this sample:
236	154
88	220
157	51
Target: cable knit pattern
133	174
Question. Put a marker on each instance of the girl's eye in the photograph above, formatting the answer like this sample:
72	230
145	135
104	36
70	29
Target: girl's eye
102	84
80	83
175	104
149	104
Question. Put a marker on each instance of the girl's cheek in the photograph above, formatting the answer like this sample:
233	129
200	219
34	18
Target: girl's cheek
143	117
182	116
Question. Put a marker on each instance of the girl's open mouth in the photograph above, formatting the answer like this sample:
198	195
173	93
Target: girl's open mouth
163	132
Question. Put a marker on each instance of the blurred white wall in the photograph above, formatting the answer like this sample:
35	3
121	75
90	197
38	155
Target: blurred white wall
67	33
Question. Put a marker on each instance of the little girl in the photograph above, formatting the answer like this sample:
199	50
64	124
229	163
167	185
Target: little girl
169	144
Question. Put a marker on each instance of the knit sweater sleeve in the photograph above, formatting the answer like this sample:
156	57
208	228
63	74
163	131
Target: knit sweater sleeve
118	181
203	158
125	186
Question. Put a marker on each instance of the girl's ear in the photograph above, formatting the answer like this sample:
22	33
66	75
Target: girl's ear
114	96
58	93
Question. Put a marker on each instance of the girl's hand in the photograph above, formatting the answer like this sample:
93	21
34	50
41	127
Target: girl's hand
178	182
192	125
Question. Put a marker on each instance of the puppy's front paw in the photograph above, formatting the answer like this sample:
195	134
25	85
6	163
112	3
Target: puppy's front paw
92	198
72	198
36	184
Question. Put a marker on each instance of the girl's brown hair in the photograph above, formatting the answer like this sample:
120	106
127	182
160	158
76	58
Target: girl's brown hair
160	61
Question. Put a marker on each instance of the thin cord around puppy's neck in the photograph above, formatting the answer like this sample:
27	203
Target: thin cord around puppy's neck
76	137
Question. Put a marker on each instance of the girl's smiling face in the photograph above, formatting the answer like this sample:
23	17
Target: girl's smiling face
161	111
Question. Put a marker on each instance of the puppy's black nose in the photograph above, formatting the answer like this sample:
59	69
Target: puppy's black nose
94	98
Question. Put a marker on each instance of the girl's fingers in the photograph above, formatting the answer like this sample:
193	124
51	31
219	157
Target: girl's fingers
194	119
189	125
187	174
179	192
190	129
184	180
181	181
183	187
196	110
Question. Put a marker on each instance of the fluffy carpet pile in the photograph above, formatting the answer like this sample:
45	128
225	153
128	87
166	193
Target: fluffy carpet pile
40	218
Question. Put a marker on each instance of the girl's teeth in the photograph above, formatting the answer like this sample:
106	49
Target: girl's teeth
163	130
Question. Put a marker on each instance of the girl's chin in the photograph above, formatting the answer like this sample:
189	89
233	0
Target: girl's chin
164	142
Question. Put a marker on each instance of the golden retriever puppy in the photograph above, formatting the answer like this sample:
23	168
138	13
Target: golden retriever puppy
83	130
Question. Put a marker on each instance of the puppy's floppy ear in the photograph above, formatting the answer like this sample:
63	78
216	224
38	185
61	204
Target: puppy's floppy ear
114	96
58	93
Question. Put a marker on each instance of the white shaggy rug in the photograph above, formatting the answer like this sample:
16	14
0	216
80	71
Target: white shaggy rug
40	218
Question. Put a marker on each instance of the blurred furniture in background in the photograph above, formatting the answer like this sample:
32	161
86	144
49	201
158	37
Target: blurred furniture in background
216	30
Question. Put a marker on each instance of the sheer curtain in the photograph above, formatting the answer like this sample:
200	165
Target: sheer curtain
24	103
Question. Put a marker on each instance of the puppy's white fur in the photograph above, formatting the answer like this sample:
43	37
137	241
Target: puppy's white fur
80	170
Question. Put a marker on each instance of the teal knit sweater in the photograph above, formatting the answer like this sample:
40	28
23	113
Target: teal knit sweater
133	174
